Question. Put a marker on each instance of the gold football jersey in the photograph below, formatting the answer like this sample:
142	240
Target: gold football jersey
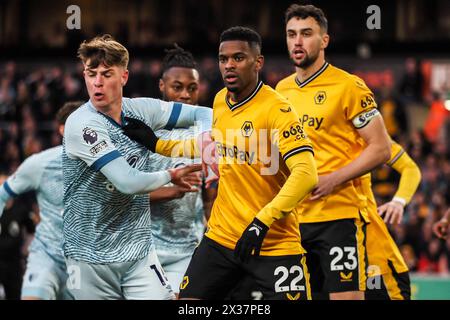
253	139
332	104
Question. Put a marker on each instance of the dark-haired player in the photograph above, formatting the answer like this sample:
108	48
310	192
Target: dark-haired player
339	114
177	212
266	167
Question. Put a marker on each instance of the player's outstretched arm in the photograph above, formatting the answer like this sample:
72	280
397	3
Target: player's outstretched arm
203	146
140	132
177	192
168	115
377	152
131	181
301	181
410	177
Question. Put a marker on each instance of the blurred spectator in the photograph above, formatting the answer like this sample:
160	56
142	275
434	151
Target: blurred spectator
436	119
433	259
410	87
393	113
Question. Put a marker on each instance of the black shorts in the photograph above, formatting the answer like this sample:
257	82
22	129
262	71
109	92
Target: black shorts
389	286
214	271
336	255
246	289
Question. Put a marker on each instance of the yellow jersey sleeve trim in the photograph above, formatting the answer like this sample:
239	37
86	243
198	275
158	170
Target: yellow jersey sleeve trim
300	182
295	151
395	158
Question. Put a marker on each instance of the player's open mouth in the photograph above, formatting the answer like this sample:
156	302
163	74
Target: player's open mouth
98	95
298	54
231	78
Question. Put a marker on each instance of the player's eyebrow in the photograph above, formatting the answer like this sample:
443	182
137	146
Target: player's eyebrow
103	72
301	30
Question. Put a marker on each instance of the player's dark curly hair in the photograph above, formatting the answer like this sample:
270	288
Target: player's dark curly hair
178	57
242	34
305	11
66	110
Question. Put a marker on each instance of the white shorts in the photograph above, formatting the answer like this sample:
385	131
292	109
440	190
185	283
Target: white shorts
45	278
175	266
135	280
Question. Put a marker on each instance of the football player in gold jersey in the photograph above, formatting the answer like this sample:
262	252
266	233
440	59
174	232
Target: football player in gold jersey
266	167
339	114
387	270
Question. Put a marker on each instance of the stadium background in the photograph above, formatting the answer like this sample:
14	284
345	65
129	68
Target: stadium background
406	63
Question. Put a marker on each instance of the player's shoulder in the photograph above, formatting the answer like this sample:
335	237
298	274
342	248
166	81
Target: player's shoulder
271	97
51	153
40	159
348	79
286	83
220	98
134	104
221	94
86	114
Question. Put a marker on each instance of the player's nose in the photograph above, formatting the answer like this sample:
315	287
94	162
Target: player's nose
98	81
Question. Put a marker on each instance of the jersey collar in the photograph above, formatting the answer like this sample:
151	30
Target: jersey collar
250	97
312	77
113	122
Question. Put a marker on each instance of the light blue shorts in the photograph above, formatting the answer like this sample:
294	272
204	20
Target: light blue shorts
45	278
135	280
175	266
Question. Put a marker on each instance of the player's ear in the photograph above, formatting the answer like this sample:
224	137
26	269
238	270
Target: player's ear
61	129
325	40
124	79
259	62
161	85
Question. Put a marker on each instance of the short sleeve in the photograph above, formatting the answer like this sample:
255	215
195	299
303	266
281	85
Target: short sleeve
88	140
359	103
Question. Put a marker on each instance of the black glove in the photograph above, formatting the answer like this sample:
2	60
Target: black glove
141	133
251	239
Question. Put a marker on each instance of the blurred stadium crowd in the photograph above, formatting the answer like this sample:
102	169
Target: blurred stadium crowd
30	95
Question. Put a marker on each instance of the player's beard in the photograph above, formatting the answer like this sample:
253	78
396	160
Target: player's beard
233	89
307	61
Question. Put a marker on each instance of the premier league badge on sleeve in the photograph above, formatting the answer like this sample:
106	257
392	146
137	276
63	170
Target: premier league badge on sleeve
89	135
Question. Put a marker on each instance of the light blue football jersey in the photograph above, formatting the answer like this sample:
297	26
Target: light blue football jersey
42	172
174	226
102	225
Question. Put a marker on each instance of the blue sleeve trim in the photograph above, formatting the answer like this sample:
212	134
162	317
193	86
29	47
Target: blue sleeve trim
9	190
176	110
104	160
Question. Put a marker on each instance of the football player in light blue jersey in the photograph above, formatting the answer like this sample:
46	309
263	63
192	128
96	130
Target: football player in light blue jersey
177	226
107	235
46	274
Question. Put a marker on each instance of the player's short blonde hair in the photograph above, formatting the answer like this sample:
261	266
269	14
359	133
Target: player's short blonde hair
103	50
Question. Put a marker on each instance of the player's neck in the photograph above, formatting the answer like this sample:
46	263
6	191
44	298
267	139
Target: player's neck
247	91
113	110
304	73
